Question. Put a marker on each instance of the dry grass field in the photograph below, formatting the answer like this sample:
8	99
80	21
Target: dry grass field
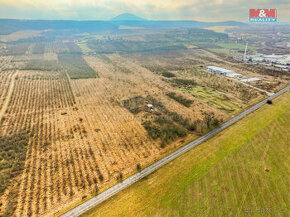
82	122
183	62
242	175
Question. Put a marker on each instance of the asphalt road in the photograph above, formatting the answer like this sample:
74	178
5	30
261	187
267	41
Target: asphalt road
77	211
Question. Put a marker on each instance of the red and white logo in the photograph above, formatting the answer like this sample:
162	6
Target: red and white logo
263	15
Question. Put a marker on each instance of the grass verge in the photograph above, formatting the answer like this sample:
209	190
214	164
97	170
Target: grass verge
241	171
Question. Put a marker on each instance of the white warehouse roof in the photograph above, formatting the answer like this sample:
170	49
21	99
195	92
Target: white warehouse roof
234	75
250	79
218	69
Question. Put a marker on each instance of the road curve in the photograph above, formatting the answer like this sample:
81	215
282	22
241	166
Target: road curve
79	210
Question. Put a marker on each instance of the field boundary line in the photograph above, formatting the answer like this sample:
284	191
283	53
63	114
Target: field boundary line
89	204
9	95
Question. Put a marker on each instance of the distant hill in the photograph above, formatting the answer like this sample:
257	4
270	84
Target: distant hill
8	26
127	17
173	24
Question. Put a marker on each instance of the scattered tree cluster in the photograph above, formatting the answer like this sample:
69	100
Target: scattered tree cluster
180	99
183	82
168	74
12	157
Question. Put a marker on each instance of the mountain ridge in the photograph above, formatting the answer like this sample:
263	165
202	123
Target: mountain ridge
127	17
8	26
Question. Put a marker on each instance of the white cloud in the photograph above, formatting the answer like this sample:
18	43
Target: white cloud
208	10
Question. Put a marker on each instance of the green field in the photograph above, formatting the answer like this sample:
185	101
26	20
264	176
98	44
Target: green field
225	51
231	48
234	46
213	98
243	171
84	47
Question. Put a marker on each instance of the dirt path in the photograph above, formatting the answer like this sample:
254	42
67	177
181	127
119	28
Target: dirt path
7	100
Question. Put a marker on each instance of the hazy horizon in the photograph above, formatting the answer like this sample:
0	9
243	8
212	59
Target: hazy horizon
206	10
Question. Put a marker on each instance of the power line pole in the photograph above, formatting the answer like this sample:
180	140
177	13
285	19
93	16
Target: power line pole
245	52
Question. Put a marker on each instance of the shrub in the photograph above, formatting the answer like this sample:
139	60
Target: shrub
152	130
168	74
101	177
138	167
208	123
269	102
170	133
12	156
162	120
180	99
120	177
133	104
184	82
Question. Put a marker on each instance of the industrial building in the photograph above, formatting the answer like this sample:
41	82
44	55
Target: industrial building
250	80
278	61
231	74
222	71
275	60
218	70
234	75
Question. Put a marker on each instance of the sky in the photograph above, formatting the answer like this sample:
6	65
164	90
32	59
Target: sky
200	10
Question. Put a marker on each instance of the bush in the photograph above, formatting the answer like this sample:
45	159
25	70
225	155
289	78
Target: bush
184	82
152	130
138	167
170	133
12	156
269	102
208	123
180	99
133	104
120	177
162	120
168	74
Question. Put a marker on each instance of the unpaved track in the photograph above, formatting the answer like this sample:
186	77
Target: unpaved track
7	100
79	210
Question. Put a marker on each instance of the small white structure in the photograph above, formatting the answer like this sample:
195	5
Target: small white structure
281	66
234	75
149	105
219	71
250	80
